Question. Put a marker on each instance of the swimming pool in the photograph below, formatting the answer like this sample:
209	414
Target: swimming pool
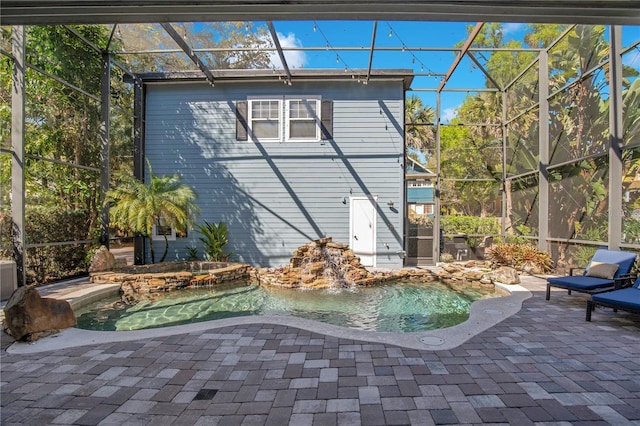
391	307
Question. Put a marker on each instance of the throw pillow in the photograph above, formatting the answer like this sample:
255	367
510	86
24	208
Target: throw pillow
602	270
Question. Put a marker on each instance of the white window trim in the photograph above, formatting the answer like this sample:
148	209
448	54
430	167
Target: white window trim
283	123
156	237
287	120
250	117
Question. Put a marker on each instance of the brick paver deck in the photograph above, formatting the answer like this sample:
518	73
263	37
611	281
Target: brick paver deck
544	365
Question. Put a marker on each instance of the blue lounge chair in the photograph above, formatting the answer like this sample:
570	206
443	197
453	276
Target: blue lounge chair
599	276
627	299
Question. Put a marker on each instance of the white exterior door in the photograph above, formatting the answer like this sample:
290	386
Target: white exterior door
362	226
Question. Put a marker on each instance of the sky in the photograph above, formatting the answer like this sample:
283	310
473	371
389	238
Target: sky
330	35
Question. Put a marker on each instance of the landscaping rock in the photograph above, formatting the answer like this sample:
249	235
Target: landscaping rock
505	275
167	276
476	273
322	263
473	275
29	316
532	268
102	260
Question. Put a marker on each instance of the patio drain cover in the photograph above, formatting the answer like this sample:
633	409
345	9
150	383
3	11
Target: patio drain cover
432	341
205	394
492	311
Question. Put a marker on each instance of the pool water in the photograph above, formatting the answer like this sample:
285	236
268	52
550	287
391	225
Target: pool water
394	307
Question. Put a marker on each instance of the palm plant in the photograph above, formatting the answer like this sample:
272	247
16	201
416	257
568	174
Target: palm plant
214	237
419	134
137	206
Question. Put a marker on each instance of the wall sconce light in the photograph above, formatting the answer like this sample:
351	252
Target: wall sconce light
344	200
390	203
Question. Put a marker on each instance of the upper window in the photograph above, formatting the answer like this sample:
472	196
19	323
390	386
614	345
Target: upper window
295	119
303	119
265	119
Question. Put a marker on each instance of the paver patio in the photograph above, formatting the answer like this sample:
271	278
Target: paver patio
544	365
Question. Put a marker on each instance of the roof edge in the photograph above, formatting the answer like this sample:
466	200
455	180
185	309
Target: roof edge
252	75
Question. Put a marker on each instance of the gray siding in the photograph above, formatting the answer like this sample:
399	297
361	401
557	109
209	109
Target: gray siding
275	197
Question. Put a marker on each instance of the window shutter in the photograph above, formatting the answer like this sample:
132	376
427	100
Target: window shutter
241	120
326	114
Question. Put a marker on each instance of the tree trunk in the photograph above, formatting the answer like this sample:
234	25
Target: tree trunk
509	206
153	254
166	248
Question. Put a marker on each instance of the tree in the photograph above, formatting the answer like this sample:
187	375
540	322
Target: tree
61	128
579	134
201	35
137	206
62	124
578	127
483	111
467	156
419	119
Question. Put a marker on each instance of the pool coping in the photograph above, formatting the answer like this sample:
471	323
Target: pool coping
483	314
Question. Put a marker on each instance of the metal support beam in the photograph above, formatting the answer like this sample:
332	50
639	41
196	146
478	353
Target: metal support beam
436	195
372	49
523	72
113	31
105	167
63	82
187	49
138	157
18	95
457	90
484	71
506	185
616	132
543	147
560	37
276	41
83	38
463	51
323	48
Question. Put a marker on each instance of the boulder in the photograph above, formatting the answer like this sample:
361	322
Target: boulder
29	316
505	275
473	275
102	260
532	268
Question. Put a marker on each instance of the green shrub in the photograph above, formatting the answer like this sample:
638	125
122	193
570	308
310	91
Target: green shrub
5	236
583	254
46	225
214	237
470	225
192	253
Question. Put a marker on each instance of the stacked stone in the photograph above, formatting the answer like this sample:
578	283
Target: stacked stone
319	264
232	272
477	274
170	276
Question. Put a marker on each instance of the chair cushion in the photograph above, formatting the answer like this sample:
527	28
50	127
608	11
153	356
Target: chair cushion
624	259
628	298
602	270
580	282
